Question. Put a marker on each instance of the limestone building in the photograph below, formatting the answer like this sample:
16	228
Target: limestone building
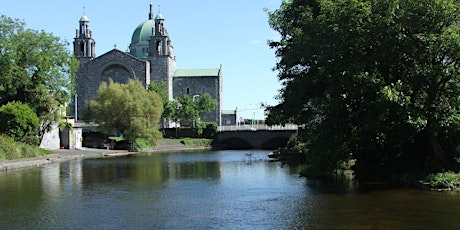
150	58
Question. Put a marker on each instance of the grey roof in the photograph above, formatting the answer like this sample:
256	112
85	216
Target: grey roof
196	73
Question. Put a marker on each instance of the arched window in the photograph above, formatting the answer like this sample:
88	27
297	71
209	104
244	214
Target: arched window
82	47
187	91
203	90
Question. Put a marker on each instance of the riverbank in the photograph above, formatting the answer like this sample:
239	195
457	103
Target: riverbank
62	155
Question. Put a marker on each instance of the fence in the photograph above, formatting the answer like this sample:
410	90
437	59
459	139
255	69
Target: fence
257	127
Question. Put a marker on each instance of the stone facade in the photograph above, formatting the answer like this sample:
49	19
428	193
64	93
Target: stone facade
115	65
150	59
196	83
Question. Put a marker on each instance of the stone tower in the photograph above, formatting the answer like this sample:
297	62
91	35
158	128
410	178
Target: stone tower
84	45
151	42
84	49
161	55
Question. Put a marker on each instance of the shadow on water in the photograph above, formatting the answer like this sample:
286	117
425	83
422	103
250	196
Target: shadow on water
215	189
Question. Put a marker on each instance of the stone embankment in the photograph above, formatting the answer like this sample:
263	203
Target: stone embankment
170	145
62	155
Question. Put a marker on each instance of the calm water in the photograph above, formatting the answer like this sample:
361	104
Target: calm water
209	190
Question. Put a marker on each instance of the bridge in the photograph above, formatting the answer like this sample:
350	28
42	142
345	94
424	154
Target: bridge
253	136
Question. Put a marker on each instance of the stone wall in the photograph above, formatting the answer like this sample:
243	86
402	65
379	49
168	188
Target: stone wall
199	85
51	139
115	65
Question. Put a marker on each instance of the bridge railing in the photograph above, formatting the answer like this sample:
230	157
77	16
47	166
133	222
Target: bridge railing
257	127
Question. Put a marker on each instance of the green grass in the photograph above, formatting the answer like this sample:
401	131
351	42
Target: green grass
142	143
197	142
117	138
10	149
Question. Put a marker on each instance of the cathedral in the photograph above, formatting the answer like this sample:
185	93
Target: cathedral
150	58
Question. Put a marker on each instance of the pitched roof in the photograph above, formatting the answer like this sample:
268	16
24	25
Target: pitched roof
196	72
232	112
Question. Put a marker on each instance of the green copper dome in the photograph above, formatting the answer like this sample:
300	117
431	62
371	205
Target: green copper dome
143	32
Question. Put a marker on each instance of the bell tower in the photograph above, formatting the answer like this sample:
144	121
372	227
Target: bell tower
161	54
160	44
84	44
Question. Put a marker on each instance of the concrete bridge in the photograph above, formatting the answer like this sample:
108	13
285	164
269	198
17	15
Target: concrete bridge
253	137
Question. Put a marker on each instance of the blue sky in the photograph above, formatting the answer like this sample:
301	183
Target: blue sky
204	33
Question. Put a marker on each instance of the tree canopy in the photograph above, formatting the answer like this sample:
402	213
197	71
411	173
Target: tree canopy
373	80
128	109
20	122
190	110
36	68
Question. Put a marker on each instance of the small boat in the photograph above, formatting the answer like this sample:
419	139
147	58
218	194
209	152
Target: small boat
273	155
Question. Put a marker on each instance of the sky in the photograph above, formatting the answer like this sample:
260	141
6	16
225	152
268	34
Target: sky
204	33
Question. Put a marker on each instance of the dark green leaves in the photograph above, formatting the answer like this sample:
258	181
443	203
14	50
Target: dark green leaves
371	76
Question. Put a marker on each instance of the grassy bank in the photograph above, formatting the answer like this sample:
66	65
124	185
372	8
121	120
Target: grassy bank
196	142
10	149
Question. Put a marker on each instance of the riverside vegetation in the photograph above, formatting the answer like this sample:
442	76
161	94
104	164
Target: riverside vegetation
374	81
11	149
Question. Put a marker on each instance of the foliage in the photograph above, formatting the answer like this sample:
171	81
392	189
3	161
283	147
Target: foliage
142	143
128	109
36	68
197	142
373	80
10	149
295	150
161	88
65	125
209	127
20	122
446	180
189	111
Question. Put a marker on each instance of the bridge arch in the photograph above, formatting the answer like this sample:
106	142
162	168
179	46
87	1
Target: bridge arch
275	143
252	139
234	143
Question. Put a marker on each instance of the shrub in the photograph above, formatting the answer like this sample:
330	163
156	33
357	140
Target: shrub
443	180
10	149
20	122
206	129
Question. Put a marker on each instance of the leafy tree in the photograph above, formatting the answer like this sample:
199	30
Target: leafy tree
35	68
20	122
127	108
161	88
374	80
189	111
204	104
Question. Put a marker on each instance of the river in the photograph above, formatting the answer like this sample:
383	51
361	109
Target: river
208	190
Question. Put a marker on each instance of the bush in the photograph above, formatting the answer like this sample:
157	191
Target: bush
206	129
446	180
20	122
197	142
143	143
10	149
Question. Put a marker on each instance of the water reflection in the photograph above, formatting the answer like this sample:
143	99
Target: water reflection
223	190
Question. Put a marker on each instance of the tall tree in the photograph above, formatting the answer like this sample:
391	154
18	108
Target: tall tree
129	109
36	68
190	110
375	80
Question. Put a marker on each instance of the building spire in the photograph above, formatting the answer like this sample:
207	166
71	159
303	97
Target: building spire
151	11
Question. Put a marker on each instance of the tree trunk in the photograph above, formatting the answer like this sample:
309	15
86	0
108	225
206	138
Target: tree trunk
435	144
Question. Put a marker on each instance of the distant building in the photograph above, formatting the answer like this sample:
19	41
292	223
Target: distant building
229	117
150	58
